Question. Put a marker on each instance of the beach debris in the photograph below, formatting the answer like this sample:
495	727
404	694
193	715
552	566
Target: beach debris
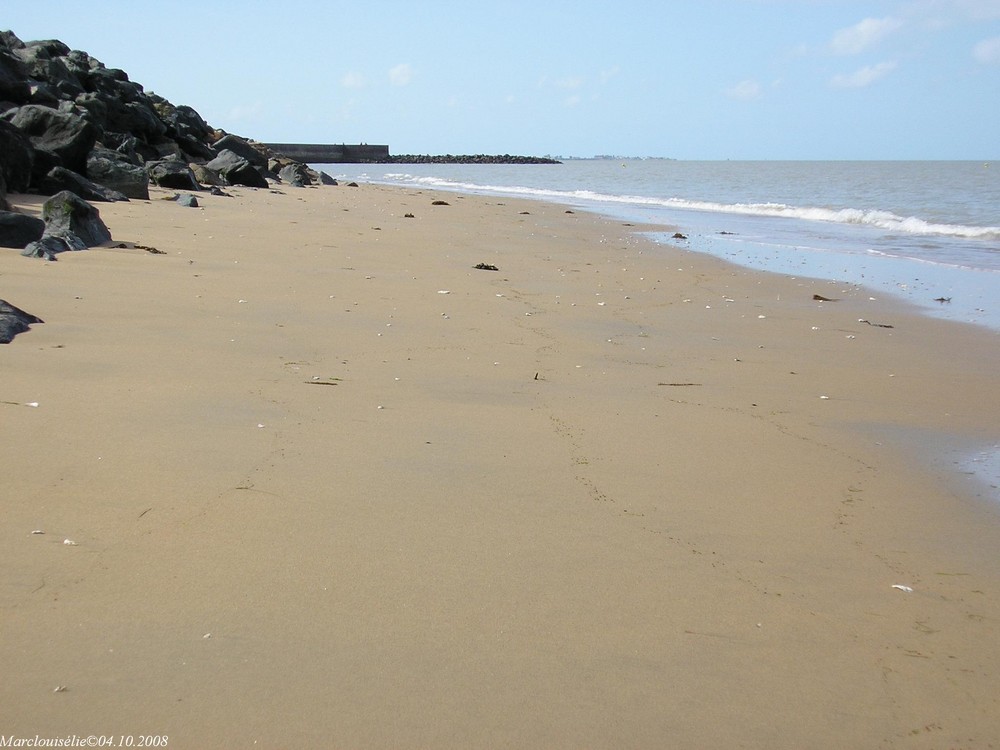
37	531
409	216
206	636
824	398
680	385
877	325
440	203
821	298
567	211
70	543
525	213
444	291
903	588
942	300
486	267
60	689
678	236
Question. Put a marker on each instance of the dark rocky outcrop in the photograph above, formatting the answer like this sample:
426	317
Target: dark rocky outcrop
242	148
65	135
17	230
60	178
236	170
61	109
17	158
70	224
116	171
13	321
172	174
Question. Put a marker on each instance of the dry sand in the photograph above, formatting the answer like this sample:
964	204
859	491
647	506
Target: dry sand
613	495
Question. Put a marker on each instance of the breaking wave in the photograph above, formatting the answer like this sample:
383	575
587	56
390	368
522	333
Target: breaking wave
885	220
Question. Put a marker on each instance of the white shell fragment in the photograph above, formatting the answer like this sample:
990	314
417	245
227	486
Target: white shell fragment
37	531
901	587
69	543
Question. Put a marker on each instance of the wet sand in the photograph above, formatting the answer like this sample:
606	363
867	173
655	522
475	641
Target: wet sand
330	486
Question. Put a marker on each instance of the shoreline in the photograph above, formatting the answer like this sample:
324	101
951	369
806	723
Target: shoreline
332	485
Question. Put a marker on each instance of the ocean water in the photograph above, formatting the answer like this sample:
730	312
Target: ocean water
919	230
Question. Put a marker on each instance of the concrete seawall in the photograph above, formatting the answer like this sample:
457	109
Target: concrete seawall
317	153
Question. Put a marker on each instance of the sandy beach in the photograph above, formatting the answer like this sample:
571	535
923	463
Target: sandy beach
309	479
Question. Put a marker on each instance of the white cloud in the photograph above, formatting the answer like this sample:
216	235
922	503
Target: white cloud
987	51
862	76
607	75
572	101
744	90
352	80
862	35
401	74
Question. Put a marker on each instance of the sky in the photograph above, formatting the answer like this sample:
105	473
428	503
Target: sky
685	79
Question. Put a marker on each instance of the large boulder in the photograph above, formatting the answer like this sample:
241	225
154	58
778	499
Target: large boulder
60	178
236	170
114	170
70	224
295	174
14	85
65	135
13	321
17	158
173	174
18	230
240	147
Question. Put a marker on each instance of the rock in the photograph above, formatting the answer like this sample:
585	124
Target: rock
295	174
60	178
186	200
13	321
206	176
236	170
240	147
70	224
17	230
325	179
17	158
14	85
67	136
172	174
114	171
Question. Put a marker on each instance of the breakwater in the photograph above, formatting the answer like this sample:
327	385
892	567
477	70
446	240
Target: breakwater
318	153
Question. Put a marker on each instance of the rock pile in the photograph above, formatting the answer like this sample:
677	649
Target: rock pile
67	122
78	131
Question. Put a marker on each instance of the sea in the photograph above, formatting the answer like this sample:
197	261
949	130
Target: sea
927	232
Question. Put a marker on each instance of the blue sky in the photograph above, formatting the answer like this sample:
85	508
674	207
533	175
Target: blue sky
698	79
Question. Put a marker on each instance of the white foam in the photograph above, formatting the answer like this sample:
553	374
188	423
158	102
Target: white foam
886	220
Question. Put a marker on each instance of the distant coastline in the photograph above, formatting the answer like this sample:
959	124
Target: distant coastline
465	159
